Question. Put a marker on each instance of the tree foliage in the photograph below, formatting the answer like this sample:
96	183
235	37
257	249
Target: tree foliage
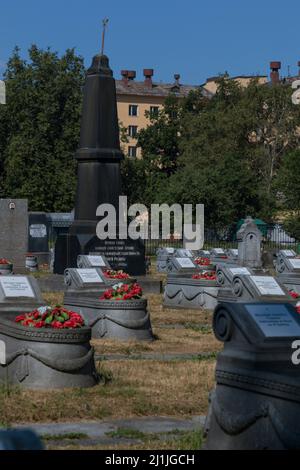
39	128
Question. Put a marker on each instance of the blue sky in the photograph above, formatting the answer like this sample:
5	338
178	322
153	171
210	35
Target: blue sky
195	38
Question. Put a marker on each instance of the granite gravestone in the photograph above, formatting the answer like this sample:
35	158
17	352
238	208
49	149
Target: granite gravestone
92	261
183	253
163	256
249	244
226	274
123	319
188	293
99	179
259	288
181	266
14	232
38	236
232	254
288	269
255	405
19	294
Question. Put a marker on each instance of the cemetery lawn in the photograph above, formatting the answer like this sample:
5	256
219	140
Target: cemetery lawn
138	379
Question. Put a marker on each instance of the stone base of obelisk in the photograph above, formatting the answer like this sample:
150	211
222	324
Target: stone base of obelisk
128	255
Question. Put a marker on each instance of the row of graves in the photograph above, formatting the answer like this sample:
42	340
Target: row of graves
202	279
44	347
255	404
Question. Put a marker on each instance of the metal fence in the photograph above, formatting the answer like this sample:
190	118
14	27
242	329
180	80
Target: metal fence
274	236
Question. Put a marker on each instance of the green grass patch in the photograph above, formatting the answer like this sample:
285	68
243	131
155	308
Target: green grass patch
127	433
61	437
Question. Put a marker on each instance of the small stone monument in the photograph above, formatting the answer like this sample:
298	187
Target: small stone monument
288	269
14	232
249	244
181	266
255	405
92	261
19	294
38	236
245	287
163	256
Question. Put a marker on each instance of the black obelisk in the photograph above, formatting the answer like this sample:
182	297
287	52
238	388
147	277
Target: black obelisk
98	163
99	178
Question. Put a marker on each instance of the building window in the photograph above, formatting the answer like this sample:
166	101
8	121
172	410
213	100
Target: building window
154	111
132	131
132	152
133	110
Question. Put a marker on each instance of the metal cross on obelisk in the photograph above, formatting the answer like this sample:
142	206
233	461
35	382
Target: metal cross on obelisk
104	23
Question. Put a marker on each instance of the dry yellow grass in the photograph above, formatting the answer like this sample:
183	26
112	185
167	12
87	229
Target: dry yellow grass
136	388
162	315
168	341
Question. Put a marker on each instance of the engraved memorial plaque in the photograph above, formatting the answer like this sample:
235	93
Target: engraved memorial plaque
89	276
16	286
274	321
267	285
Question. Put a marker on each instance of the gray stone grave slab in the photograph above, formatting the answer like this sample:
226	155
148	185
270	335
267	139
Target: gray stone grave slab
226	274
255	404
204	253
84	282
183	253
258	288
108	319
182	266
218	255
19	294
190	293
163	256
14	232
233	254
288	269
93	261
249	244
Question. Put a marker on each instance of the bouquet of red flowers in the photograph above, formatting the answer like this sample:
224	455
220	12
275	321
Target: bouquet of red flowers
294	294
207	276
202	261
123	292
111	274
4	261
47	317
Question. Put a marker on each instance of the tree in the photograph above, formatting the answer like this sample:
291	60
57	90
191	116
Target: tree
41	125
288	186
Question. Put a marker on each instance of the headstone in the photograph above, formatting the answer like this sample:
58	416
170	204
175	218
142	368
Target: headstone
38	236
232	254
249	244
163	256
255	404
99	179
19	294
256	288
93	261
126	255
14	232
288	269
189	293
181	266
183	253
86	282
204	253
226	274
123	319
